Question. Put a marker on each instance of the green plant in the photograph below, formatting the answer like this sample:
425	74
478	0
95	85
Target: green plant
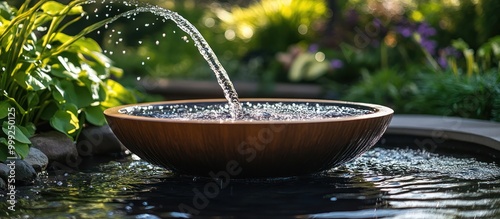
270	26
49	78
481	60
390	87
476	96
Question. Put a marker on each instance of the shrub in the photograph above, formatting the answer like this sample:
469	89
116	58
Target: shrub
49	78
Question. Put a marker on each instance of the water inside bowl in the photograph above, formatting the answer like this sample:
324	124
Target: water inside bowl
259	111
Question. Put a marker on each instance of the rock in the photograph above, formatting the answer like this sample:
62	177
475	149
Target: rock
59	149
23	172
98	140
4	171
37	159
3	185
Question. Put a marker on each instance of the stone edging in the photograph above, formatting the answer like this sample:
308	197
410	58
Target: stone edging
452	128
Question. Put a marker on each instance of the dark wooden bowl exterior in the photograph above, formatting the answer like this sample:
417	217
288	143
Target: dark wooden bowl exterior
244	149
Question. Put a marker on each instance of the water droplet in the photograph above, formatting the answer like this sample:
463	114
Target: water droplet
142	63
148	58
138	78
157	42
163	34
41	28
140	42
185	38
128	208
124	51
146	25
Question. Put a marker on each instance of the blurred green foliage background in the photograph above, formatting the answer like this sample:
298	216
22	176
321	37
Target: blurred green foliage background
418	56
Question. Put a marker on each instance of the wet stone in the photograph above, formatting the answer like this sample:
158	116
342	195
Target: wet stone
24	173
3	185
98	140
37	159
56	146
4	171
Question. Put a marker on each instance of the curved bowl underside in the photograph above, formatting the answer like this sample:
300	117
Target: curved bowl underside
242	149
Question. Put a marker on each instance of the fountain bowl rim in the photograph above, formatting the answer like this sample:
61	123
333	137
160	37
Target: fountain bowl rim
380	111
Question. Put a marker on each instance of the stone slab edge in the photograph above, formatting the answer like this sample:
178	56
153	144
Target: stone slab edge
467	130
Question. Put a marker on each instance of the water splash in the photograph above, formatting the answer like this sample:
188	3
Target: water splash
255	111
205	50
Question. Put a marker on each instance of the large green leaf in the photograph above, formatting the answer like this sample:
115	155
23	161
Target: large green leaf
65	121
22	149
54	8
18	134
28	129
38	80
20	79
116	92
94	115
33	99
4	150
49	110
4	105
70	69
75	94
57	92
81	45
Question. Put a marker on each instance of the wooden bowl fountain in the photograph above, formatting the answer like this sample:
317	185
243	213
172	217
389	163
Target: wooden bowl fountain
249	149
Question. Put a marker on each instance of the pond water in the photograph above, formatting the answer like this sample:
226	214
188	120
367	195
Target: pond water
382	183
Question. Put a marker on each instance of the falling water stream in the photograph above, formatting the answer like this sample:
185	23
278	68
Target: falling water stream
205	50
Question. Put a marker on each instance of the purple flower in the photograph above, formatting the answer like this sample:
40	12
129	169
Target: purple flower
313	48
442	62
405	31
377	23
429	45
336	63
445	53
451	51
425	30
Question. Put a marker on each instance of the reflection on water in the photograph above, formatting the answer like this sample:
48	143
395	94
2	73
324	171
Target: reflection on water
393	183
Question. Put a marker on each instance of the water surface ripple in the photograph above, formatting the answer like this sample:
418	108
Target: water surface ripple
382	183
